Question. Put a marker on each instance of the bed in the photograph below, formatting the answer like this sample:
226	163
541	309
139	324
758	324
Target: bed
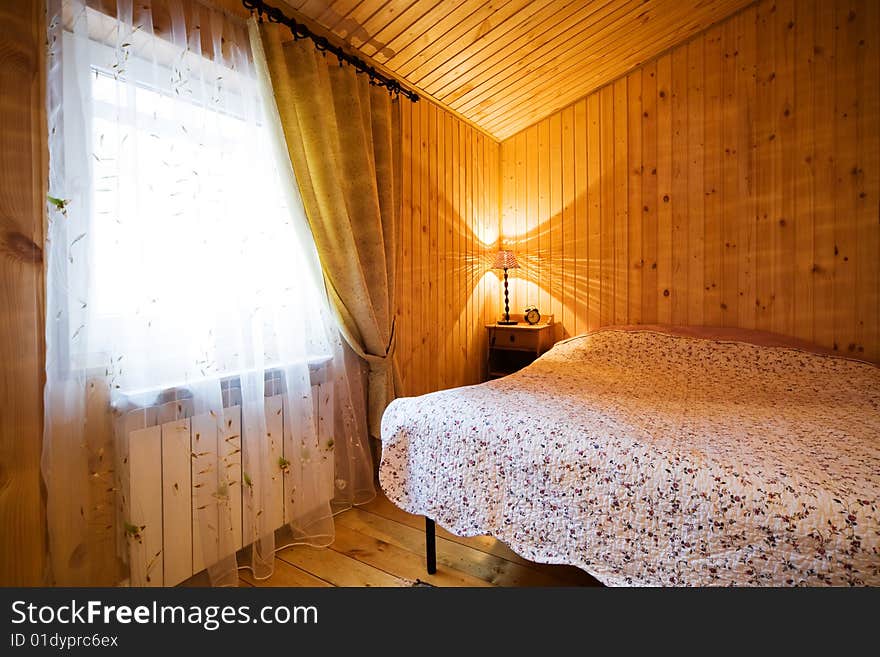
657	457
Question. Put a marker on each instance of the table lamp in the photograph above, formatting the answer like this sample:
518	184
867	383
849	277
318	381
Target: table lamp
505	260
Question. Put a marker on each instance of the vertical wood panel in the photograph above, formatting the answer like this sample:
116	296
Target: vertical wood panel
846	169
621	209
649	198
581	265
804	169
728	191
22	201
765	149
713	223
567	262
695	212
635	262
664	189
594	212
680	197
868	199
746	163
783	244
606	221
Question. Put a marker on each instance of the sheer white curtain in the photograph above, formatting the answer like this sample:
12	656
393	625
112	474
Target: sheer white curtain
182	284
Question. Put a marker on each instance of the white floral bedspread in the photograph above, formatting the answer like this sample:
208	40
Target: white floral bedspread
649	459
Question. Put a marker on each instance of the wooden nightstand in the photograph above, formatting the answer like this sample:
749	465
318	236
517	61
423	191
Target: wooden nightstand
511	347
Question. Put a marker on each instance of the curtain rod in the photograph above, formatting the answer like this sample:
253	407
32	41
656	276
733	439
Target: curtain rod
323	44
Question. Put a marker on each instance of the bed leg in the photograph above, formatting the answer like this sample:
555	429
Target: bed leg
430	546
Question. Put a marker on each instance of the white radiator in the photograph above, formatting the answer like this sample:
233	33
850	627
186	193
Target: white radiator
172	461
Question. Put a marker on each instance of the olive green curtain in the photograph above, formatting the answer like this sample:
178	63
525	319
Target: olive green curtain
343	138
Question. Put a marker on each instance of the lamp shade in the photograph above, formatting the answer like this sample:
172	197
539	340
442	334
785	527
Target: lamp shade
505	260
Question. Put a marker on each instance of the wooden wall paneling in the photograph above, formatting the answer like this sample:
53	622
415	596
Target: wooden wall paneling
594	212
542	220
649	200
453	247
846	120
635	263
432	260
450	223
765	135
783	242
728	192
762	133
568	258
747	161
442	221
403	350
868	198
713	151
427	312
711	185
22	202
696	195
581	226
464	249
621	213
417	364
679	194
513	236
467	244
804	168
529	249
664	189
554	241
415	229
606	226
508	203
477	264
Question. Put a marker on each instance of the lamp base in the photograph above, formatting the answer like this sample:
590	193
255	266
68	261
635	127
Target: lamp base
506	322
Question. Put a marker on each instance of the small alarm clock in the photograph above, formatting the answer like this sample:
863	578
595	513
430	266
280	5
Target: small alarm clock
531	314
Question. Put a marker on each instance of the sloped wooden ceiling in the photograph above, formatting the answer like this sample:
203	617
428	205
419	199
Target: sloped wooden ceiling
504	65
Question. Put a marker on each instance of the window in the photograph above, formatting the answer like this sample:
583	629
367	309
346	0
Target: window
192	263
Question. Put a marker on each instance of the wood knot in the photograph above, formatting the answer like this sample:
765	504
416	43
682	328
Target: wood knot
20	247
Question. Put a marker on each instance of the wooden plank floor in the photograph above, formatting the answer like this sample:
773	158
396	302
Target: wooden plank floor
379	545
